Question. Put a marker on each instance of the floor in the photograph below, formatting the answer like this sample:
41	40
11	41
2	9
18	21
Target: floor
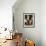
9	43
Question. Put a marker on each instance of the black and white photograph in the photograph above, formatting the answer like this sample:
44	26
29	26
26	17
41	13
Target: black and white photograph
29	19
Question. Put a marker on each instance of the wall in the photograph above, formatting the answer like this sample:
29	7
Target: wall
43	22
28	6
6	13
6	16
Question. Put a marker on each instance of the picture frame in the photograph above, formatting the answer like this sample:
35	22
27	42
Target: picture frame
29	20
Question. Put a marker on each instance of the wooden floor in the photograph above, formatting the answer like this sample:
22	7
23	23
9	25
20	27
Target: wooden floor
9	43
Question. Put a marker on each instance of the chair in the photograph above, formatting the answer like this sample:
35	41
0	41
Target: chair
18	39
29	43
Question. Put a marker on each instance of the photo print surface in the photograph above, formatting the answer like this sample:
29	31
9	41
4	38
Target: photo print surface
29	19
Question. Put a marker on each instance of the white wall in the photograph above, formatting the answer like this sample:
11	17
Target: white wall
28	6
6	13
43	22
40	19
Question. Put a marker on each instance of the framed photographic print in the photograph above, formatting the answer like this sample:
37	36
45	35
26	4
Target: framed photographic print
29	20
